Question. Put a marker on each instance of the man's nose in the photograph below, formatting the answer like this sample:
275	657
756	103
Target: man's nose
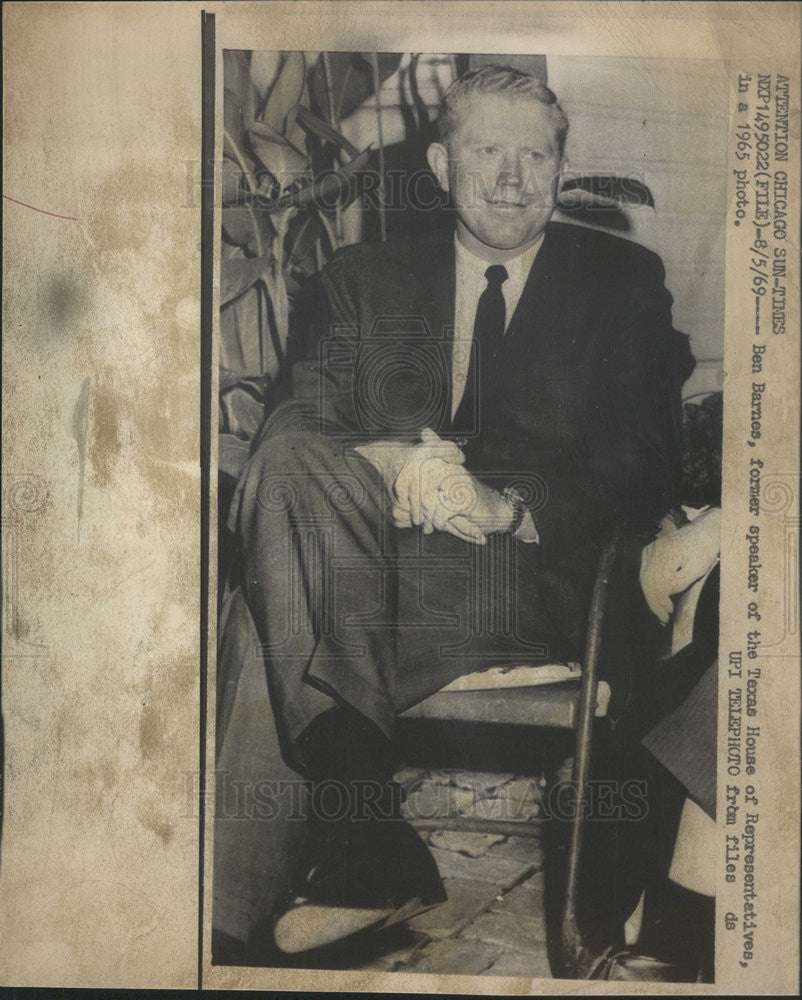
510	172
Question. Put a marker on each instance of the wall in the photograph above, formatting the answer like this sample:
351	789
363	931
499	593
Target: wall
665	122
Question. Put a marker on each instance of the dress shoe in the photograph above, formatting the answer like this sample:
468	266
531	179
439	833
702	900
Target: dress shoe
357	876
625	966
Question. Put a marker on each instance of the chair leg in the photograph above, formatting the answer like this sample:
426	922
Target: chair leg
570	937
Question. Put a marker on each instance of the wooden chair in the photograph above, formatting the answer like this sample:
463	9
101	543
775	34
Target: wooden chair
559	704
562	700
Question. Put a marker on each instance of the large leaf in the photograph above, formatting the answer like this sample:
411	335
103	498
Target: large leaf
303	235
329	189
232	182
240	342
229	251
304	251
255	385
284	162
242	402
311	123
286	91
232	122
241	412
262	130
608	190
234	148
237	79
292	130
238	226
238	275
264	70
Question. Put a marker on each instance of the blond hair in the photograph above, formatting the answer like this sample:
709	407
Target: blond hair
499	80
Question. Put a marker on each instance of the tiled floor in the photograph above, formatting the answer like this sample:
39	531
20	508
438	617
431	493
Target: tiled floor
494	920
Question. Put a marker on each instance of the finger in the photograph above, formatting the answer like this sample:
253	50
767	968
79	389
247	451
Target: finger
655	605
414	497
427	435
435	507
428	514
432	474
462	527
448	451
401	487
455	455
440	518
407	490
401	518
429	511
426	523
662	608
470	537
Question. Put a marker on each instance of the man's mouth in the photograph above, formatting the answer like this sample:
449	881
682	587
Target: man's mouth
501	203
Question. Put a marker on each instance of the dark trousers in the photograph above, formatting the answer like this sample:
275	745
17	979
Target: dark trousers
348	608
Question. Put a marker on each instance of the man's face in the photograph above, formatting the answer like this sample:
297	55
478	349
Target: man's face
502	166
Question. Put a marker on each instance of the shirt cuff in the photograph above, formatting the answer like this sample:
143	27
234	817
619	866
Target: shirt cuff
528	532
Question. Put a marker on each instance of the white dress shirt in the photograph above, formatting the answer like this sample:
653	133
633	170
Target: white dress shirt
471	282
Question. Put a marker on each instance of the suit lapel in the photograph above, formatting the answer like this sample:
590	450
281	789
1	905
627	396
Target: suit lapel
436	287
541	285
436	290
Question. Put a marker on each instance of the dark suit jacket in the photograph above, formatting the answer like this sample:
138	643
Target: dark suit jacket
585	405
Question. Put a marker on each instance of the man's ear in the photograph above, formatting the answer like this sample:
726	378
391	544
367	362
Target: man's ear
437	155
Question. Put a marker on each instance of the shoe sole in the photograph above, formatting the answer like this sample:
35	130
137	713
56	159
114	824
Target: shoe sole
307	925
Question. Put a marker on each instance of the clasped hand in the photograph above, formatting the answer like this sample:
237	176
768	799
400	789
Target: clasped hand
428	486
434	490
677	558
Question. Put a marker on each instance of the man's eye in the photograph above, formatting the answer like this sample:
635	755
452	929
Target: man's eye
534	154
489	150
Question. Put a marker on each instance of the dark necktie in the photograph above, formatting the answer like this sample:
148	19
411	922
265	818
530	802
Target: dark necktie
488	329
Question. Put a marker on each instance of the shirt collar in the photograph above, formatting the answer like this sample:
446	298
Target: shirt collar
517	267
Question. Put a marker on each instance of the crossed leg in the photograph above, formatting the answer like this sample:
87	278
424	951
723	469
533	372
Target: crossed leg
351	609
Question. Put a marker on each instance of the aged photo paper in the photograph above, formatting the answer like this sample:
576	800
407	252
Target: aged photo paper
176	179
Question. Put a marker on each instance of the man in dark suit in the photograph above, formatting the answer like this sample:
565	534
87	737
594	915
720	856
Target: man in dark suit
490	404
